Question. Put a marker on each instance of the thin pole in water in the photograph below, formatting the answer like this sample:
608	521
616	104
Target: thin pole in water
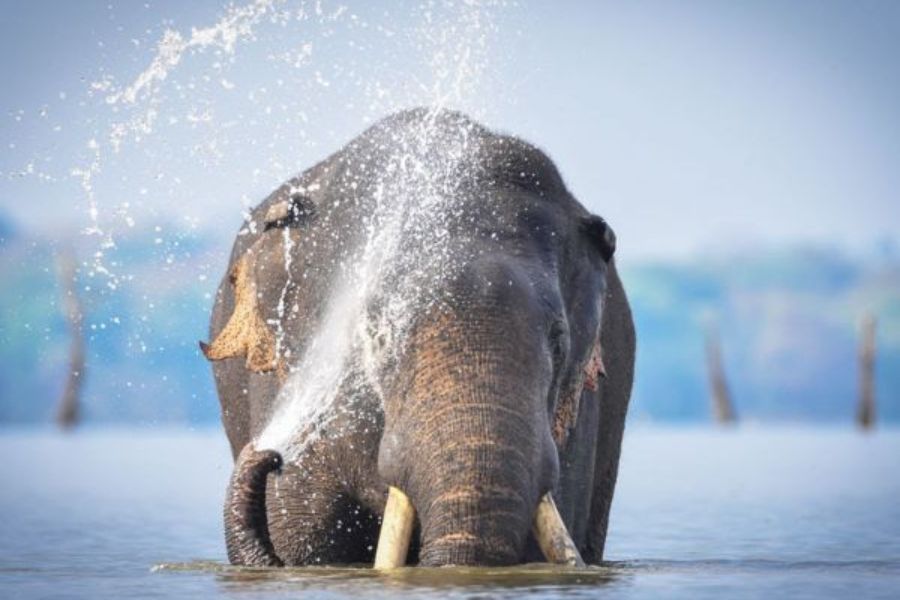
69	408
723	410
865	410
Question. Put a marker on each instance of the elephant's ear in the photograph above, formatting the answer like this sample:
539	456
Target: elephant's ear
246	333
588	377
594	369
602	241
617	334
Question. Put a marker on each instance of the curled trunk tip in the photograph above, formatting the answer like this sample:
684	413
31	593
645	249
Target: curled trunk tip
246	527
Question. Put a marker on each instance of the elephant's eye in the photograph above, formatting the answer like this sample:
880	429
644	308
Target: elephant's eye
295	211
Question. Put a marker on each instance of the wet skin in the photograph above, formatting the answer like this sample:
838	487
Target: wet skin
486	396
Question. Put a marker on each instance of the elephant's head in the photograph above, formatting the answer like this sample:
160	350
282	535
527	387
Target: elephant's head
501	307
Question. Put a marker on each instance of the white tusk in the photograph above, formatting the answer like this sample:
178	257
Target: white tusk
553	537
396	531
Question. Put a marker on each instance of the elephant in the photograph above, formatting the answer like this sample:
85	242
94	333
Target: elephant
424	356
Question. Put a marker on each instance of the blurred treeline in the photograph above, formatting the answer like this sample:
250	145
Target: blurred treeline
788	321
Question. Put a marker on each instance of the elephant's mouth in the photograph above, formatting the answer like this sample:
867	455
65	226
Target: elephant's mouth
399	517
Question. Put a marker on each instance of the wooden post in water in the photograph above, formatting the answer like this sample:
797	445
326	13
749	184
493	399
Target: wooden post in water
68	410
865	410
723	410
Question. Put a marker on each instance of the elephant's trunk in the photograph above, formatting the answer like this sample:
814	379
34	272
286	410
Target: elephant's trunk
471	526
467	433
477	490
246	528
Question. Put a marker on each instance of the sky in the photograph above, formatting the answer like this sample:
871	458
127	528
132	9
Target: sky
692	127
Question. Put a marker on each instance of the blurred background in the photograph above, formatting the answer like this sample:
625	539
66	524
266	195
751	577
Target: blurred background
747	155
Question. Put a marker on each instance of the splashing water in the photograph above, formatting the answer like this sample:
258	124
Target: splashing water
143	96
434	53
453	40
246	100
413	196
237	24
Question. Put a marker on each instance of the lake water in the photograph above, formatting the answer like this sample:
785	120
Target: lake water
699	513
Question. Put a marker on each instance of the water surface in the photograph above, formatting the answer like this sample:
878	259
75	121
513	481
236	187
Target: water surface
699	513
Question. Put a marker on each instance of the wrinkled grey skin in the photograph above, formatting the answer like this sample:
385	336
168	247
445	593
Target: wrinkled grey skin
461	413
